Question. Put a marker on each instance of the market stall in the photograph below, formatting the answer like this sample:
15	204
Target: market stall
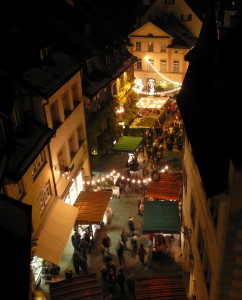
128	144
161	219
93	210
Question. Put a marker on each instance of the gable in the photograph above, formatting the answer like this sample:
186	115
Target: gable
148	28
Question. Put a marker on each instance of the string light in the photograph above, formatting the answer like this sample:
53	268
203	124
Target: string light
113	178
161	75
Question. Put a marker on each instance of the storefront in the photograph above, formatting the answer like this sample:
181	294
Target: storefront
93	210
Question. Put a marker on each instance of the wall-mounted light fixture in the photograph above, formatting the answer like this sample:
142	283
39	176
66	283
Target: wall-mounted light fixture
94	150
63	171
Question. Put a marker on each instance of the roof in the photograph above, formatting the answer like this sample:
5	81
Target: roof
168	188
161	217
76	288
92	206
208	95
128	143
162	287
56	231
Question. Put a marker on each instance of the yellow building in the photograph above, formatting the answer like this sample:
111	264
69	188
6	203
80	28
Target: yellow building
160	47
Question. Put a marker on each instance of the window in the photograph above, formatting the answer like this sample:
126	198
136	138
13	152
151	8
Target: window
66	104
74	91
193	211
89	66
163	47
108	61
150	64
163	65
186	17
139	64
116	54
16	117
184	171
2	133
213	205
61	160
150	47
44	196
207	272
176	66
87	29
38	164
72	146
138	46
169	2
54	111
80	134
200	243
18	190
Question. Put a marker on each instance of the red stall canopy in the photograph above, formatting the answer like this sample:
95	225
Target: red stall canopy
168	188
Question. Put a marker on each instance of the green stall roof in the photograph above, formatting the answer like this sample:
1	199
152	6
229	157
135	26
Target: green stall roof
161	217
128	143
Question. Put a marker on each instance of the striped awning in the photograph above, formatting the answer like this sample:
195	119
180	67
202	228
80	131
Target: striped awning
76	288
56	231
128	143
168	188
92	206
162	287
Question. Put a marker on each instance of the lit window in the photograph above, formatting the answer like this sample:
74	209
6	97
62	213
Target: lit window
139	64
150	64
138	46
38	163
44	196
150	47
176	66
163	65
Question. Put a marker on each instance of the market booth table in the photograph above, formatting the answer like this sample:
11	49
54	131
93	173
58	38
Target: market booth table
128	143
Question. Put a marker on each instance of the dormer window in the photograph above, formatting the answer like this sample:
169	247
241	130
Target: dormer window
16	117
43	53
2	134
87	29
108	61
89	66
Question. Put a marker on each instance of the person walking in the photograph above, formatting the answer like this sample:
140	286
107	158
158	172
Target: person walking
76	260
124	238
120	253
131	226
141	208
142	252
134	245
121	280
106	242
138	205
131	284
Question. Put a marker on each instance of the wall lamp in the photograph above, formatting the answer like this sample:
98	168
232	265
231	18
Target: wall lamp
64	171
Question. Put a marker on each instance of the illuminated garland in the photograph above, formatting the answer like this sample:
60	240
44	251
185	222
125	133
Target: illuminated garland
161	75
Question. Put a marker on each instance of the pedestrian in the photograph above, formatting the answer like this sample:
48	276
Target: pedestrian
120	253
76	260
83	248
138	205
112	266
106	242
75	242
142	253
131	284
121	280
111	281
83	265
141	207
124	238
131	226
134	245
